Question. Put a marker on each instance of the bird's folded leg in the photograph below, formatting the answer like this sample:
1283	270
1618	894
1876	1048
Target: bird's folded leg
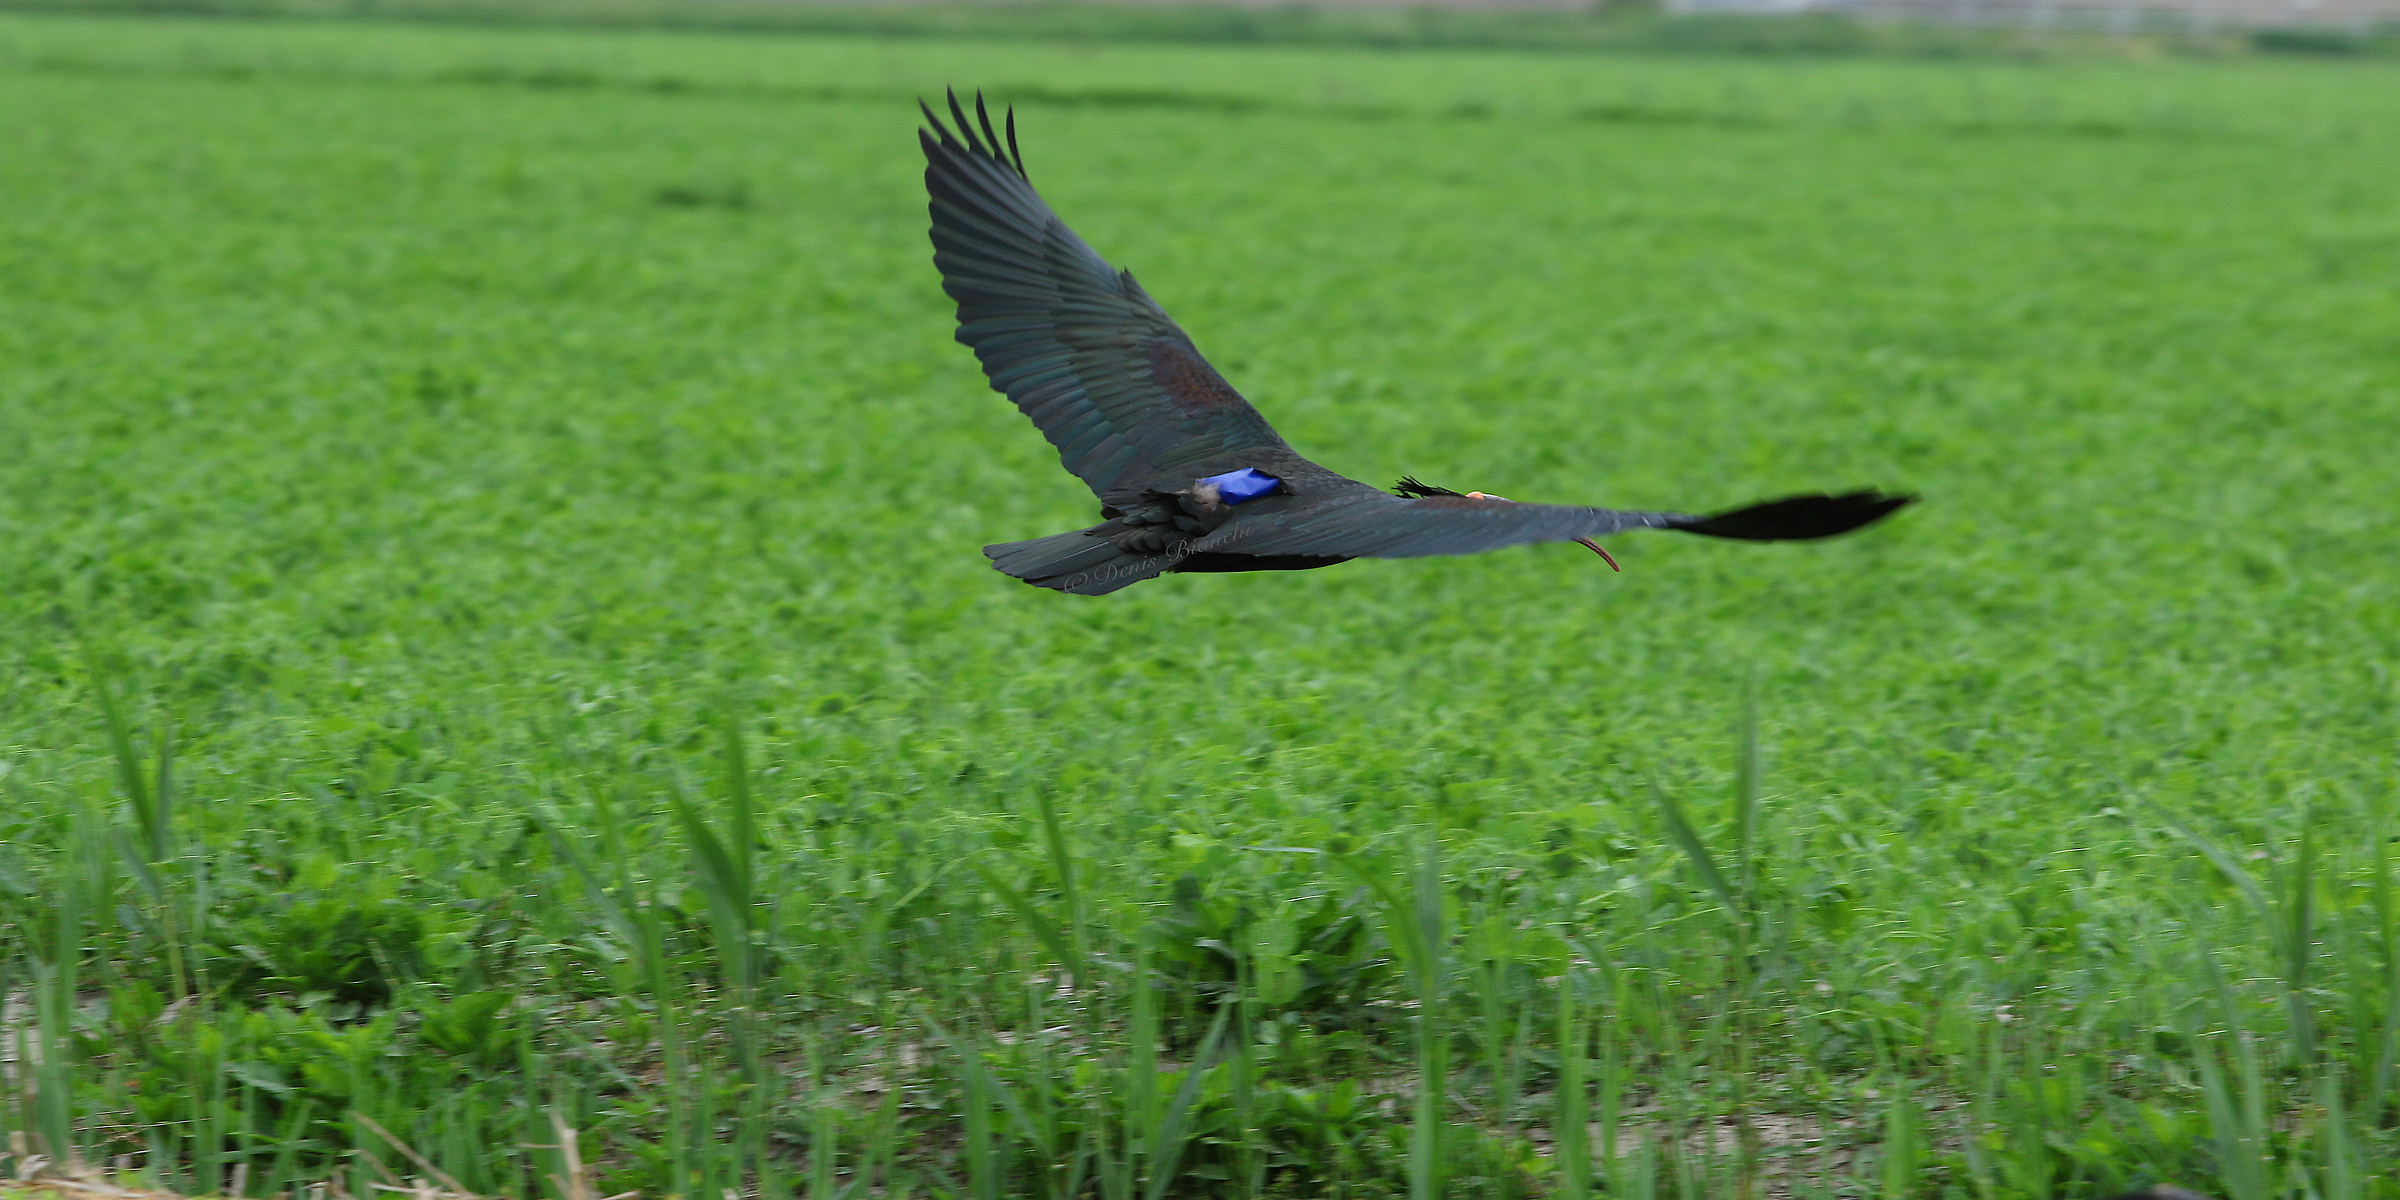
1595	547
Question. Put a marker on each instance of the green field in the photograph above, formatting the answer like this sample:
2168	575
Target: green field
522	483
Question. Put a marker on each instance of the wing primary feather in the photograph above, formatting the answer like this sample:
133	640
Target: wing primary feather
966	128
941	132
984	117
1055	327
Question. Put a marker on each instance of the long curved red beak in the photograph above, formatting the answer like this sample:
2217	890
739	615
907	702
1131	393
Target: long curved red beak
1612	563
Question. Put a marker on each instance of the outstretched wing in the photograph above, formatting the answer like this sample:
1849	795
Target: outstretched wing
1370	524
1104	372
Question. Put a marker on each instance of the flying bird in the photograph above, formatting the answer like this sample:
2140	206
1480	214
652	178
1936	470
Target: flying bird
1190	477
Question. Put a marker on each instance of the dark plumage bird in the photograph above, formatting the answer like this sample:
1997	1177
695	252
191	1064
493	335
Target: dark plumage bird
1190	477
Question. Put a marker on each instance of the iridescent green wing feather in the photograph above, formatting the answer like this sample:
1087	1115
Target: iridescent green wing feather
1077	345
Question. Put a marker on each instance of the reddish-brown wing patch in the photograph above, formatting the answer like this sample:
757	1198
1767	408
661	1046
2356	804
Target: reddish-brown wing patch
1188	380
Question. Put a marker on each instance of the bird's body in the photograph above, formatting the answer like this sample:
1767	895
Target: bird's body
1190	477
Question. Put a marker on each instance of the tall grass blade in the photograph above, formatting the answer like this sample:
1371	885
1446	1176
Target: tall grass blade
1248	1164
1175	1128
824	1144
2291	932
1748	923
972	1067
162	793
728	878
595	889
149	807
1491	946
1680	831
1142	1051
1120	1163
1063	866
1572	1135
983	1158
1746	799
2300	943
2237	1123
741	808
1043	929
1398	923
2242	880
1612	1093
2341	1172
410	1153
1425	1130
1641	1172
1902	1146
2387	929
2303	904
81	881
650	952
724	880
2256	1101
2238	1161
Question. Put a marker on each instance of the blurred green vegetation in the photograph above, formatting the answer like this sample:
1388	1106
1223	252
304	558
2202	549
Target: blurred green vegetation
1624	27
491	626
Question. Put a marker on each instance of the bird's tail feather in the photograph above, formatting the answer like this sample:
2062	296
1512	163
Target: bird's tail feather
1797	518
1076	562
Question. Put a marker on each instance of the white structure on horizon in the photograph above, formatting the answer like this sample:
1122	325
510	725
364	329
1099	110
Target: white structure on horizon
2357	15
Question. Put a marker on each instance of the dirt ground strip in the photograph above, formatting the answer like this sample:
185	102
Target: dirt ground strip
95	1185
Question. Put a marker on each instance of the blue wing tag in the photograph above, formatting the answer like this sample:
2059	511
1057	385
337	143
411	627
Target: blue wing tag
1249	483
